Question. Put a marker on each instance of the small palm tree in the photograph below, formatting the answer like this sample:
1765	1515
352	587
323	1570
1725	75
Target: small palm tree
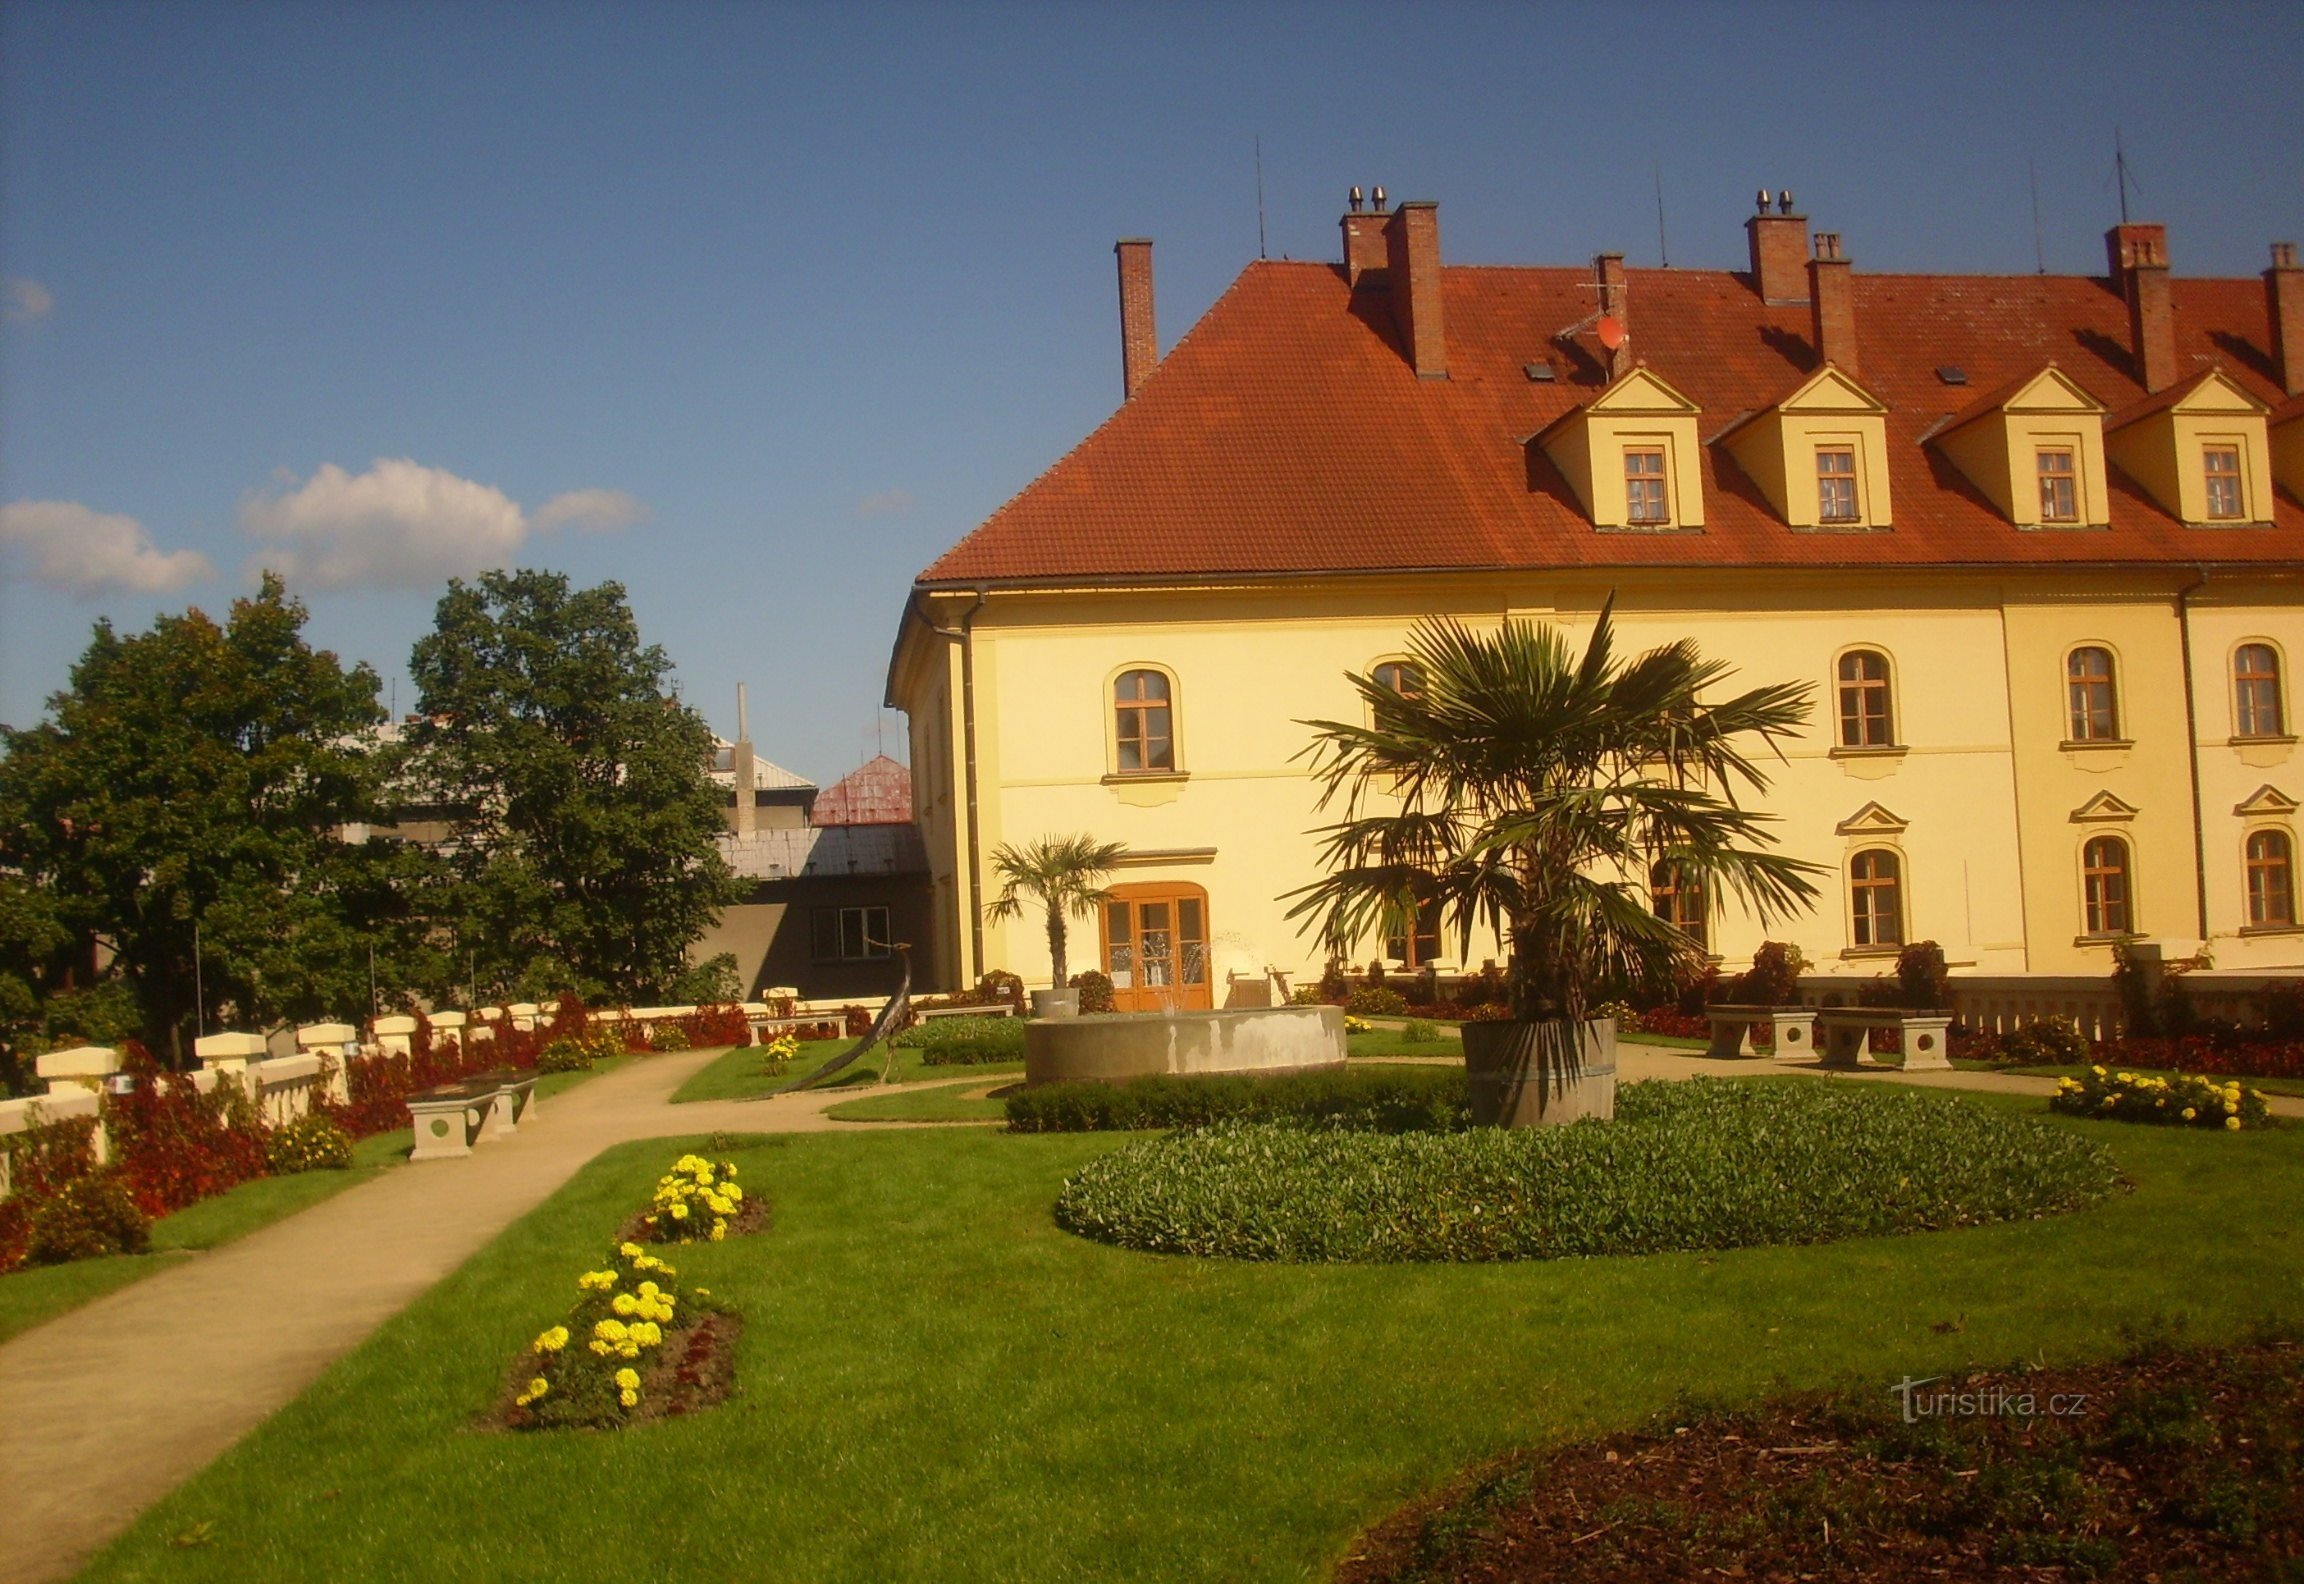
1063	874
1535	792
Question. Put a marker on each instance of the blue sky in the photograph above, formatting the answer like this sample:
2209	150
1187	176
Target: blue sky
757	308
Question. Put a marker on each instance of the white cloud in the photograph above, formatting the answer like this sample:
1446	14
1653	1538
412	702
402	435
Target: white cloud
590	511
404	525
83	551
890	502
25	301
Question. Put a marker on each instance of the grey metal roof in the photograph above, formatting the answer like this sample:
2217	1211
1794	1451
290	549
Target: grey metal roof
826	852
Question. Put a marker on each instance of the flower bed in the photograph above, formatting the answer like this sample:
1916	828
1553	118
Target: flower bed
1701	1164
1390	1100
635	1346
965	1041
2186	1100
698	1202
2222	1057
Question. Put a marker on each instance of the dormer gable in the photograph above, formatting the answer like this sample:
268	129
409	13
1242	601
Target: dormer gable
1873	820
2267	801
2201	449
1631	454
1820	454
2035	448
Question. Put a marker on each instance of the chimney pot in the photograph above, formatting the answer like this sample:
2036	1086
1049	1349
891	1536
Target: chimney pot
1831	305
1779	244
2284	310
1412	263
1139	345
2138	254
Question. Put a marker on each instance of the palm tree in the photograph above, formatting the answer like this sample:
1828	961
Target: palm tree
1064	874
1534	793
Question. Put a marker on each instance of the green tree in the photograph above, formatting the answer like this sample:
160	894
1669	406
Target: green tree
1531	791
585	840
196	777
1061	875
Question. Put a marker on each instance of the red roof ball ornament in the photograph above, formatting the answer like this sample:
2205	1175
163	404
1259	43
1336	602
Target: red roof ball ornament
1611	331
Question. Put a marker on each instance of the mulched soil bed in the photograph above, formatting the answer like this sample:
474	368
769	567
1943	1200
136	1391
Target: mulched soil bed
2165	1466
750	1217
694	1369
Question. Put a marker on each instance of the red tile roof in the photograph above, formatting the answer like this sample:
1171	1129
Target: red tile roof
878	793
1286	433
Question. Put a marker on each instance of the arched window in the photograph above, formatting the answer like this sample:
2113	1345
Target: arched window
2271	880
1404	677
1876	898
1142	716
2104	887
1865	718
1678	899
2095	712
1423	946
2256	692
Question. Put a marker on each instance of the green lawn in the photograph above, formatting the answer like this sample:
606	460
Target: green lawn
737	1075
938	1383
1391	1042
42	1292
945	1103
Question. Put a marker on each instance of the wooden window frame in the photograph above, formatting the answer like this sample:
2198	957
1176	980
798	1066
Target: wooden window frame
1142	706
2068	477
2107	889
1669	898
2249	689
1401	668
1864	914
1423	945
1861	687
1854	515
2211	477
2257	893
2081	715
837	917
1661	479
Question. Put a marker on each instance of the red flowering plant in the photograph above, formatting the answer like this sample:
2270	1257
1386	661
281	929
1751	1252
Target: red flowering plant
42	1159
2227	1057
718	1025
173	1145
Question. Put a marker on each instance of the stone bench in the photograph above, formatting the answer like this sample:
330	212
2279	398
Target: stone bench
1926	1036
451	1118
1793	1029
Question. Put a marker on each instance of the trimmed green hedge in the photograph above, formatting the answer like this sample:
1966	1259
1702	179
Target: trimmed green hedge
1384	1100
966	1041
1700	1164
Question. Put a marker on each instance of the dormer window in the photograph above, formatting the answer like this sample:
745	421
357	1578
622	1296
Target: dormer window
1836	485
1645	501
2221	463
2059	485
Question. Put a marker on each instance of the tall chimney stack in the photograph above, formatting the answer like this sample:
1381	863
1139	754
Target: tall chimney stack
1412	261
1364	248
1831	310
2284	308
740	765
1779	245
1139	346
1608	272
2138	254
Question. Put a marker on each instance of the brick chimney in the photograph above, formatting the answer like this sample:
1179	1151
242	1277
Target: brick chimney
1412	260
1831	310
2284	309
1779	248
1608	272
1363	245
2138	254
1139	347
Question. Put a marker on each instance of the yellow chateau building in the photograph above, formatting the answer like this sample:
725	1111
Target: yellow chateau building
2035	541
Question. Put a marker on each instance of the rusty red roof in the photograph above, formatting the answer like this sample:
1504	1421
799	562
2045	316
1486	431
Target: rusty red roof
877	793
1286	433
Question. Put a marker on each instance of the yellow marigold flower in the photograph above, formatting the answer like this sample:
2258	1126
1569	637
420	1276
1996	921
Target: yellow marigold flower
703	1292
649	1289
610	1330
735	1193
719	1231
553	1340
647	1334
679	1212
631	1251
2232	1122
538	1387
625	1303
630	1399
600	1348
629	1379
2189	1113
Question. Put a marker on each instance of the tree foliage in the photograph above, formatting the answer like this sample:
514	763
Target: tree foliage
1062	875
198	775
585	851
1530	791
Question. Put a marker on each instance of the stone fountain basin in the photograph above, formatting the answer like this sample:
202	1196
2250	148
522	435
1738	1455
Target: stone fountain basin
1122	1045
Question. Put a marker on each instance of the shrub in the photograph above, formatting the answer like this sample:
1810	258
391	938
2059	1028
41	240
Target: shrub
1334	987
1773	980
564	1055
993	989
1420	1031
2185	1100
668	1037
713	1025
776	1055
1376	1098
173	1145
965	1041
1922	977
2050	1042
2201	1054
1701	1164
87	1217
694	1202
41	1160
2284	1009
1376	1000
310	1143
1095	990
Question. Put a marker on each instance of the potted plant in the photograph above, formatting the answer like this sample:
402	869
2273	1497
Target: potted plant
1533	792
1063	875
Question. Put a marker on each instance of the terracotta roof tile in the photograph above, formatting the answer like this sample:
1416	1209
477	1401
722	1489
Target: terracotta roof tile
1286	432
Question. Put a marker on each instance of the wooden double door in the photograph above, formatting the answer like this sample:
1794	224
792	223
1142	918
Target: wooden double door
1155	947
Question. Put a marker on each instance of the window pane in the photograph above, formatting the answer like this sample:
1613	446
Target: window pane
876	929
851	932
824	934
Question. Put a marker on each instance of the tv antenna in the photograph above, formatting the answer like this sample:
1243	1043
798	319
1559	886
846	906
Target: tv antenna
1663	248
2121	173
1260	253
